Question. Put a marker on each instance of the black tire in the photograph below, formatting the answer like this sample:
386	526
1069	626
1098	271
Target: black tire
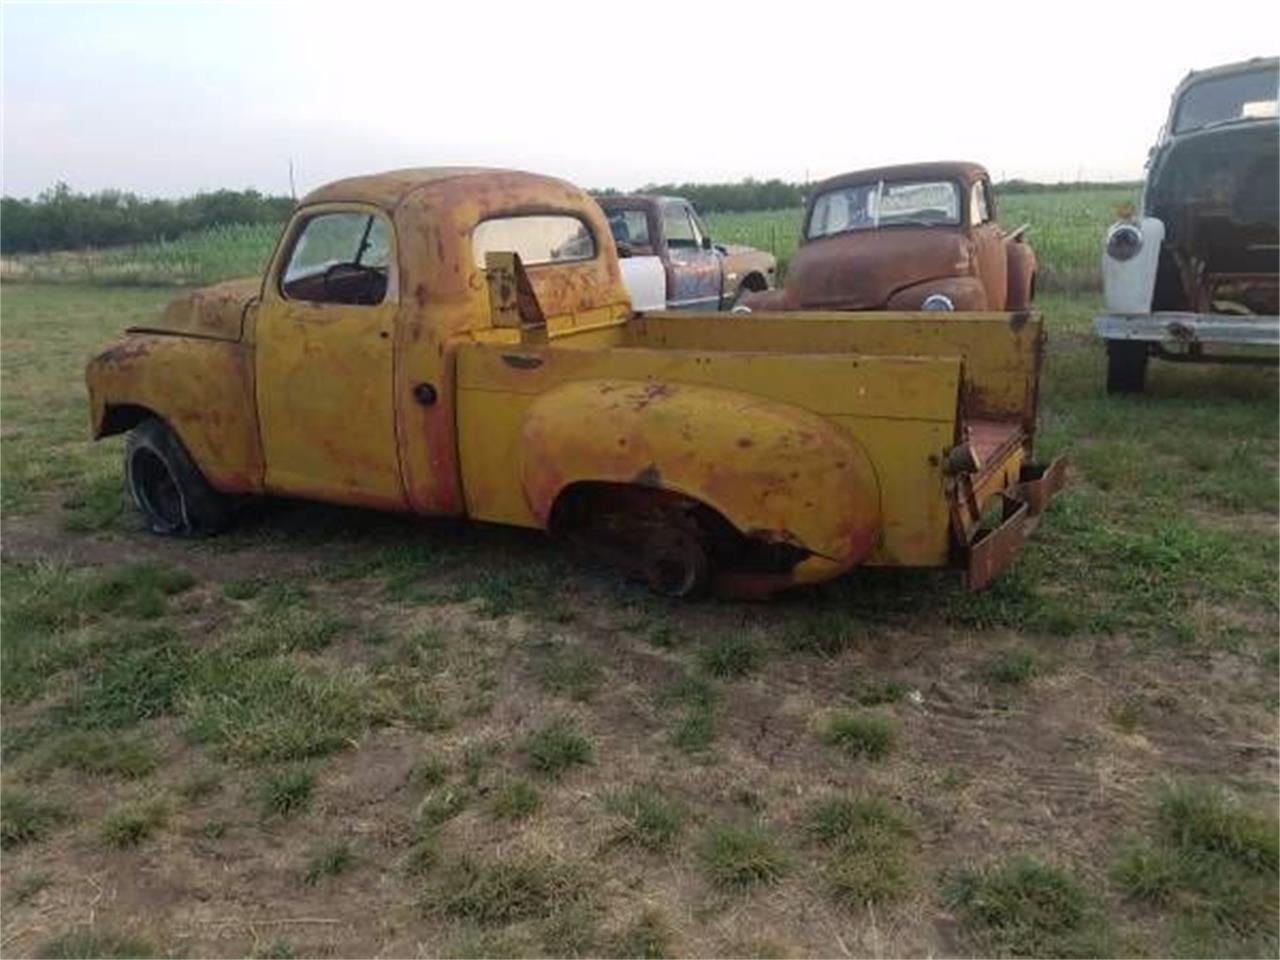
168	488
1126	366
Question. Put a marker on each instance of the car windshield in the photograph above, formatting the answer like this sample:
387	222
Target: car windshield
1237	96
866	206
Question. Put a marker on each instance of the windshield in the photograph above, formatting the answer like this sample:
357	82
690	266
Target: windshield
1238	96
866	206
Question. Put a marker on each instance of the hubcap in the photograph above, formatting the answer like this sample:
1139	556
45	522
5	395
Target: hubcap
675	564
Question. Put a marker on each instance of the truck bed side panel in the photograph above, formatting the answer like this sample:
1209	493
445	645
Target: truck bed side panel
1001	352
900	410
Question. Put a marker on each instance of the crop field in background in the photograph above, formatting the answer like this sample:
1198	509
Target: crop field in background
336	732
1066	232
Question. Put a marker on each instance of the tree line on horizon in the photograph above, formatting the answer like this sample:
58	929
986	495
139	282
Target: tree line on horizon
63	219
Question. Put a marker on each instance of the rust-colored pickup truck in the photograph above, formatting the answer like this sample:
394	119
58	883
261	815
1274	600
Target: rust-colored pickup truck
921	236
459	342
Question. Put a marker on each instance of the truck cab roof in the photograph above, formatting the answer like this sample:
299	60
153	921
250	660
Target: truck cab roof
965	171
389	189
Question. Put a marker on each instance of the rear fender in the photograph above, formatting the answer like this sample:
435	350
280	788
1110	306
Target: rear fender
777	473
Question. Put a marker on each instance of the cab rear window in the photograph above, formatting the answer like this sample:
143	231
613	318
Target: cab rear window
537	238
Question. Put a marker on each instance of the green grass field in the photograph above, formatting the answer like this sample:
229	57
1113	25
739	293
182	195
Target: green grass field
1066	231
334	732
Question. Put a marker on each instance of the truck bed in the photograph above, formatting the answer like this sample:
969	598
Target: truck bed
904	387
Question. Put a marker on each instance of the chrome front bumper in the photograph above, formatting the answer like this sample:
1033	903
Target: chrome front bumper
1190	328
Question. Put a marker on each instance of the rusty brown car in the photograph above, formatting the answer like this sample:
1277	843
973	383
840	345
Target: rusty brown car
921	236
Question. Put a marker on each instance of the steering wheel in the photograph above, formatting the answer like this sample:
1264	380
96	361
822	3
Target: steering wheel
370	274
334	268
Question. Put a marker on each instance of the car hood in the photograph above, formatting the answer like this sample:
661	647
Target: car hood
861	270
216	312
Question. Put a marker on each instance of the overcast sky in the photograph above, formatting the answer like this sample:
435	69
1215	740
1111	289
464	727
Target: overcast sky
168	99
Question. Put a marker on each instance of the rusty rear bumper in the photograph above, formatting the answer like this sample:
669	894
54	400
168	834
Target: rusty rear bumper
992	549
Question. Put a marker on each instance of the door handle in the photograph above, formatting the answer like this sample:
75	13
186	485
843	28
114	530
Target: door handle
425	394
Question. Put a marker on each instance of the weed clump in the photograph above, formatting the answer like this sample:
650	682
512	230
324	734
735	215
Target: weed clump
645	817
516	800
507	890
129	825
739	856
866	840
327	861
731	655
1210	863
25	818
861	735
285	792
1027	908
1012	668
555	747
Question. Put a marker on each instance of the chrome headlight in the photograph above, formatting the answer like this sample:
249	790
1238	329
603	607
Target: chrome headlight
937	301
1124	240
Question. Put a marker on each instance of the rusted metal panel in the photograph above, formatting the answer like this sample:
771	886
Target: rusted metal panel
445	301
202	387
1038	484
1002	352
216	312
994	550
988	552
777	472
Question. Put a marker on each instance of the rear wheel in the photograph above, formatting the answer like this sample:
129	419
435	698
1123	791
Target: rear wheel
675	562
1126	366
167	486
651	534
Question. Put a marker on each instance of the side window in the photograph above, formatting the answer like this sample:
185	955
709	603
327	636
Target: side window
630	226
678	227
339	258
978	212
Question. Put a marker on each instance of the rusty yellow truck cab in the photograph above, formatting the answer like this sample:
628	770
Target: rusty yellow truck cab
459	341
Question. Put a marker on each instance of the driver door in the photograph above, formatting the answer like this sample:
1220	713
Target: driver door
323	360
694	268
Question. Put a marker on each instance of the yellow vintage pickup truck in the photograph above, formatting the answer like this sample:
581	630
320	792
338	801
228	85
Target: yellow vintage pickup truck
459	342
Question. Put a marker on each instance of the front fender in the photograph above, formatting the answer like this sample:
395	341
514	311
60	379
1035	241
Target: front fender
1022	276
966	293
1128	285
202	388
775	471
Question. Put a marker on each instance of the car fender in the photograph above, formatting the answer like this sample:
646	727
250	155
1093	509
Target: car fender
965	293
1021	289
201	387
774	471
1128	285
